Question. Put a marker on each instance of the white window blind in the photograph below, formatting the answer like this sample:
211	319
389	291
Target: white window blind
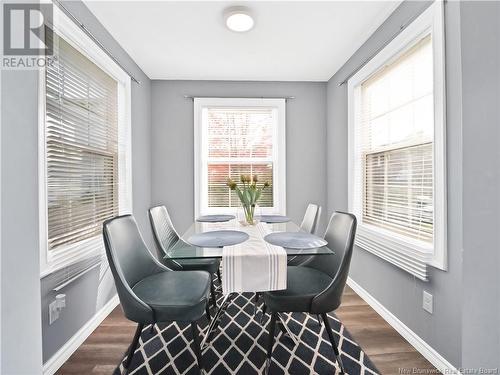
82	147
237	137
396	145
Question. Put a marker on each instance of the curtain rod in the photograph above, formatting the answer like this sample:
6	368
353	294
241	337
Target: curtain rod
401	28
192	97
94	39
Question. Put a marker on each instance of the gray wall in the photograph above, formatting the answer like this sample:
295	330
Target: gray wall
395	289
481	196
173	148
20	258
22	326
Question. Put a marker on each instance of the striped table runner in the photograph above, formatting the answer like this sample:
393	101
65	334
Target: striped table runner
254	265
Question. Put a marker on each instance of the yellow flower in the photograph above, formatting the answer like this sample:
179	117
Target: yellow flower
255	178
266	184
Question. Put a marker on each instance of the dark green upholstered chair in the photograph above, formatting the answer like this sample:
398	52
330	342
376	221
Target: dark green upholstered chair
316	287
166	236
149	292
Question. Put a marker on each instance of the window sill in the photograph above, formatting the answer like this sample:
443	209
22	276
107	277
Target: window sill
68	255
408	256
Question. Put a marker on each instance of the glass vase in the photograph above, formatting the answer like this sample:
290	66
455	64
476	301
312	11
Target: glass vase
249	213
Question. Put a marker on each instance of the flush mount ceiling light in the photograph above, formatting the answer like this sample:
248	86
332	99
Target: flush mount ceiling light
238	19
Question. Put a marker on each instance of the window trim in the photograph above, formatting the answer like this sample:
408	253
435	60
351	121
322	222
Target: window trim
279	152
430	21
51	261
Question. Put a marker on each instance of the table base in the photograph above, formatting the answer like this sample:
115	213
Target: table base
220	311
215	319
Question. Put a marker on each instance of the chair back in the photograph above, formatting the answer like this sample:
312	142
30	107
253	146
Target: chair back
311	218
130	261
309	224
164	234
340	235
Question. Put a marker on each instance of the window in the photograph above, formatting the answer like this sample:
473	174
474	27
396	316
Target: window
82	147
235	137
85	153
397	148
397	134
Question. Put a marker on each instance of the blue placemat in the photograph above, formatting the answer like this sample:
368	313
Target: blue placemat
295	240
215	218
218	238
273	219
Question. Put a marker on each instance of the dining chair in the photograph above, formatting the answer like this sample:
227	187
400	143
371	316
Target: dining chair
311	218
317	287
149	292
166	236
309	224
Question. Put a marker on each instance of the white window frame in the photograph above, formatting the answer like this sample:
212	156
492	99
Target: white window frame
53	260
408	254
279	153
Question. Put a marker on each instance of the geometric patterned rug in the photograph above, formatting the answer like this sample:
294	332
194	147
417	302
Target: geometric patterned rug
238	345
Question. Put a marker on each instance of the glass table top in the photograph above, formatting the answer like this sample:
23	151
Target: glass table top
183	250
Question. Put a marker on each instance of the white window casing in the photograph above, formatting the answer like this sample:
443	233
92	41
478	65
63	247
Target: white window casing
85	170
235	136
397	165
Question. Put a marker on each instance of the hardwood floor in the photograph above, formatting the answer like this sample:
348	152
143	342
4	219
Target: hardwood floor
104	348
387	349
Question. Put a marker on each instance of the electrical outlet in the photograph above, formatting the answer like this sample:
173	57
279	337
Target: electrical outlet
427	302
53	312
56	307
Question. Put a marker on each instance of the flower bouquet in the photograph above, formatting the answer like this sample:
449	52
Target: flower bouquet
249	194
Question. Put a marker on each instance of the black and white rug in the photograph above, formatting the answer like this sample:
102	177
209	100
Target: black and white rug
238	346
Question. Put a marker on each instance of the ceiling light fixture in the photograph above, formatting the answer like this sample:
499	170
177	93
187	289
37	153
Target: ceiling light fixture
238	19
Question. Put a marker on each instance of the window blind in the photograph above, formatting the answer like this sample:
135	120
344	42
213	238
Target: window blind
395	145
239	141
82	155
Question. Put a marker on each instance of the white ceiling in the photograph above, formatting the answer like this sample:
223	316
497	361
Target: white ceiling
291	41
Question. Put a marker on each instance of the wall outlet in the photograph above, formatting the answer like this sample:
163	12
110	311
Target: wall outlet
427	302
53	312
56	307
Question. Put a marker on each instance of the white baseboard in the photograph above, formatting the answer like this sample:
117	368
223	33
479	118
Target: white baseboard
416	341
63	354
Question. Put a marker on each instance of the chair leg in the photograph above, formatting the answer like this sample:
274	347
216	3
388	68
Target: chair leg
332	341
212	293
270	342
319	319
197	348
264	308
218	275
133	346
255	303
272	328
207	311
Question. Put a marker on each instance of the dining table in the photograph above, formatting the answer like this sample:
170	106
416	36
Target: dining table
182	249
